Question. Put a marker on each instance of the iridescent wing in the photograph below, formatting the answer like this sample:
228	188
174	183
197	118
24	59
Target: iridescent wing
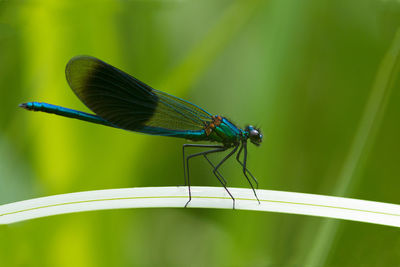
129	103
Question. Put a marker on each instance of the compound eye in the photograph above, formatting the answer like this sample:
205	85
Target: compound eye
254	133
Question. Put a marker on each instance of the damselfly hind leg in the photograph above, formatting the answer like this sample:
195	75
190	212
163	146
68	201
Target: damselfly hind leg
184	158
217	148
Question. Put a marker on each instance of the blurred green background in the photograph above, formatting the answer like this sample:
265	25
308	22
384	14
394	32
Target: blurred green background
304	71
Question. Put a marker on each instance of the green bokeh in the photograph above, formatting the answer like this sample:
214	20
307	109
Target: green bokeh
302	70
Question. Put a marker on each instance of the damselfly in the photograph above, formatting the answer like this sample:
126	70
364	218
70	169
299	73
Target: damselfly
122	101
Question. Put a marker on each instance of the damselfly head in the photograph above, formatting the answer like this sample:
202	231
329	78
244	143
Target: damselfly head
254	135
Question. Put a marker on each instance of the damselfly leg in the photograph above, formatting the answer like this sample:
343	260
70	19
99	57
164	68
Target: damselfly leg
220	179
247	170
216	173
200	146
244	147
217	148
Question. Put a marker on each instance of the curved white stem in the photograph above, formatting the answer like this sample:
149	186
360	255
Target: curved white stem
203	197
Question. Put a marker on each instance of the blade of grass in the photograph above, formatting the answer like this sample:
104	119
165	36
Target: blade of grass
363	141
203	197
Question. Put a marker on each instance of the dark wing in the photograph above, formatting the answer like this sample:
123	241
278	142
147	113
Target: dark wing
129	103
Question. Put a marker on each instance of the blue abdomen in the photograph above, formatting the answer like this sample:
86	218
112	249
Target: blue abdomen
66	112
222	131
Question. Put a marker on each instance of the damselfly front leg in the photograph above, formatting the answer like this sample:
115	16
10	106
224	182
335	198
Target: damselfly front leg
247	170
244	146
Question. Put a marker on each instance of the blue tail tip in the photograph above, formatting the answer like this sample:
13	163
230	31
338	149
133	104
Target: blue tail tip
23	105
